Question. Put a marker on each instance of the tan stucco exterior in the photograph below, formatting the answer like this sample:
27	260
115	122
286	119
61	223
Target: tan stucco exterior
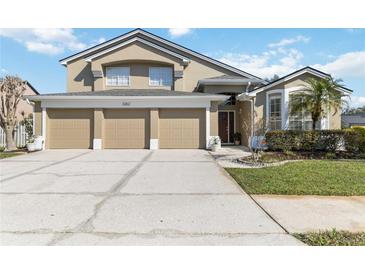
244	116
98	123
154	120
215	89
299	81
139	57
214	119
37	119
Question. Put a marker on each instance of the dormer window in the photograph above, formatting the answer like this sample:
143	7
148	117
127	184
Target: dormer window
117	76
160	76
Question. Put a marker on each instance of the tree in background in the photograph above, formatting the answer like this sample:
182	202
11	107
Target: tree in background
317	97
272	79
11	91
354	110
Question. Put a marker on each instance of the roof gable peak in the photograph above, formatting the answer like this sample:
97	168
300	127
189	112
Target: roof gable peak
160	41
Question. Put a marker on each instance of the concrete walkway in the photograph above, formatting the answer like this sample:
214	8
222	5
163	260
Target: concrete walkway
227	156
128	197
313	213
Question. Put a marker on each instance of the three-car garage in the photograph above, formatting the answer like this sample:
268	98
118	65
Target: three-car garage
126	119
126	128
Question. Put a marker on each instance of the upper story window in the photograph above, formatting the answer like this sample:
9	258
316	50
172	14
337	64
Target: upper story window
160	76
117	76
275	112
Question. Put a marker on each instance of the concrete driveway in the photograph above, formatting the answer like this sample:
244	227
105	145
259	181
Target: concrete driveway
128	197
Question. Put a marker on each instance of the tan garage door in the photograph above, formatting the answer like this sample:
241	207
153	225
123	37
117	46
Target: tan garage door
182	128
126	128
69	128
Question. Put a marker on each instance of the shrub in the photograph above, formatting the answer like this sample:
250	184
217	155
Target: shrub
354	140
320	140
2	149
330	155
361	132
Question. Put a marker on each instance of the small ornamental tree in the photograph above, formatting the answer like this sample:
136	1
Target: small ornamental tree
318	96
11	91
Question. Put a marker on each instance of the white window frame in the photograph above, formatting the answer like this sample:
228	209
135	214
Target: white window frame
303	118
274	94
118	85
284	93
160	84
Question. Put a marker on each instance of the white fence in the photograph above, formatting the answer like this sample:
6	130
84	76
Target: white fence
20	136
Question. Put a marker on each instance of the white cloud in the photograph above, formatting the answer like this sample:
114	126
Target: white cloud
357	101
46	41
101	40
289	41
351	64
264	65
4	71
177	32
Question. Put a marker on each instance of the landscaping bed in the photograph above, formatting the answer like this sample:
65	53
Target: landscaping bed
307	177
8	154
332	238
268	157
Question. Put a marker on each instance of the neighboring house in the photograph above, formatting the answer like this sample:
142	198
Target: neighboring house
139	90
353	120
25	108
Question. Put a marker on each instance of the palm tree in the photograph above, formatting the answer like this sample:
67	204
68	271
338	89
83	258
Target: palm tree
317	97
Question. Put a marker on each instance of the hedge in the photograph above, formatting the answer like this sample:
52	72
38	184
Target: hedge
353	140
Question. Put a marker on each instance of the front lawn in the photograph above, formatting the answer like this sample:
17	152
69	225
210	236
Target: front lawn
4	155
332	238
309	177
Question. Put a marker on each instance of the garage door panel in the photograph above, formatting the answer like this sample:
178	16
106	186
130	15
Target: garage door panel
182	128
126	128
69	128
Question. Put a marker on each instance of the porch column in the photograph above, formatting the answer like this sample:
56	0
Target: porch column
44	125
207	127
98	129
154	124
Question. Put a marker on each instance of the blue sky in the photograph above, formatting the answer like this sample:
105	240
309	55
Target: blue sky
33	54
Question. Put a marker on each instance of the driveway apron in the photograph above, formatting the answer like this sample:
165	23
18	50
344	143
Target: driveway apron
128	197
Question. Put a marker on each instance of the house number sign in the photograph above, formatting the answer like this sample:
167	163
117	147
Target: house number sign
126	104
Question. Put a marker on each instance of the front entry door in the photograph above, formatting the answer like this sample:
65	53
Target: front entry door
226	126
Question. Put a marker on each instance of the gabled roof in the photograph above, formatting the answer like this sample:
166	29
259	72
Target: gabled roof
29	85
114	41
32	88
229	80
294	74
353	119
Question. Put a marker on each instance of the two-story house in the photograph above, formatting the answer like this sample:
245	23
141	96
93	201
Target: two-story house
139	90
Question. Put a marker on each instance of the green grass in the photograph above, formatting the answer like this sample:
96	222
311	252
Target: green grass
309	177
332	238
4	155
